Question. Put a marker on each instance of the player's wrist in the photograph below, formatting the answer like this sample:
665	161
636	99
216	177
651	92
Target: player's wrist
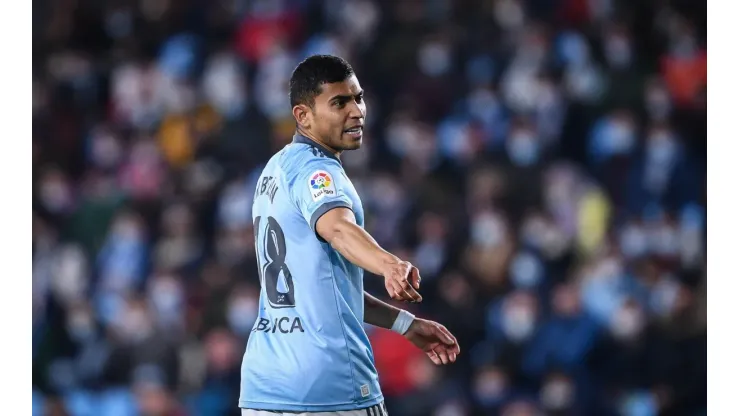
403	322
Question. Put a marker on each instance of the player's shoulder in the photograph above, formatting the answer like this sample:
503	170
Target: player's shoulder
299	160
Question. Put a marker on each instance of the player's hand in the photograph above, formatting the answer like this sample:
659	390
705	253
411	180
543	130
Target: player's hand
435	340
402	281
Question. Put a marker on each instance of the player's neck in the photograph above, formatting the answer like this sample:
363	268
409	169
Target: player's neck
311	137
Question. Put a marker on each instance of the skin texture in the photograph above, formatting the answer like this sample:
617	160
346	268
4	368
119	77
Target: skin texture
340	106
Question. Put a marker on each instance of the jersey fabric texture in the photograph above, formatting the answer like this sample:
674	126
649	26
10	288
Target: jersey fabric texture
308	351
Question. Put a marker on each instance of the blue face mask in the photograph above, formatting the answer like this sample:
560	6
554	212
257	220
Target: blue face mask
518	323
639	404
661	150
663	297
525	271
633	241
621	138
241	315
434	59
490	390
81	328
167	302
523	150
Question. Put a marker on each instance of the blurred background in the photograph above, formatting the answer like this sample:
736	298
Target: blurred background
543	162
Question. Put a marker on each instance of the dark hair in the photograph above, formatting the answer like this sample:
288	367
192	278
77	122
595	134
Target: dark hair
309	75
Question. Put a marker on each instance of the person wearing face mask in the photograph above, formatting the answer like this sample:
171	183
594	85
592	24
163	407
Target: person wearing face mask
514	320
523	148
657	100
563	340
664	173
122	257
524	155
241	311
625	81
558	395
491	389
54	192
432	87
631	353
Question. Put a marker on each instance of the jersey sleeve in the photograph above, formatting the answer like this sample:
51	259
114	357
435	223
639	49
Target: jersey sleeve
319	187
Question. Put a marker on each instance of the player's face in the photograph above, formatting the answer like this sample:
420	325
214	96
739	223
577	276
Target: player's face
339	114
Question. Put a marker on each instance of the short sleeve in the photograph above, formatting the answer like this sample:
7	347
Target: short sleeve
319	188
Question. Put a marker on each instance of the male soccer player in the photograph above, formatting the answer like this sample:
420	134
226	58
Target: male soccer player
308	352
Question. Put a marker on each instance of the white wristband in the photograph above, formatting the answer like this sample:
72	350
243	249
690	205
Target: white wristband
403	322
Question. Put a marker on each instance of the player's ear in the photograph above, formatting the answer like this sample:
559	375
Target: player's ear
302	114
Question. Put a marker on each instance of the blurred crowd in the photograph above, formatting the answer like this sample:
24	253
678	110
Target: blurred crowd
542	162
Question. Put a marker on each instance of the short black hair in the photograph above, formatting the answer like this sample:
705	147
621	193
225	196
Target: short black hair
309	75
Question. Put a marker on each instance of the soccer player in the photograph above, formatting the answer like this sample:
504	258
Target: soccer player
308	352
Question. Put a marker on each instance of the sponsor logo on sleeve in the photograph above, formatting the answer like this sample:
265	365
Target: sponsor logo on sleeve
321	184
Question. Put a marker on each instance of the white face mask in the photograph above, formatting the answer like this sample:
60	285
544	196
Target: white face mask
127	229
488	230
106	150
483	104
434	58
135	326
490	387
81	326
453	408
627	324
618	51
621	137
661	148
532	231
663	296
224	85
634	241
271	84
429	257
523	149
400	136
70	274
664	241
56	195
557	395
525	270
235	206
518	323
167	297
658	103
691	247
508	14
242	313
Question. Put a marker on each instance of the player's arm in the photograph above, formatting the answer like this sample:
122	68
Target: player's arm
379	313
338	227
431	337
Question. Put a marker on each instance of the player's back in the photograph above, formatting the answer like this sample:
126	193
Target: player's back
308	350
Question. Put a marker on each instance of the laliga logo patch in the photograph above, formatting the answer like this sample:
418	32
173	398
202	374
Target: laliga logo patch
321	184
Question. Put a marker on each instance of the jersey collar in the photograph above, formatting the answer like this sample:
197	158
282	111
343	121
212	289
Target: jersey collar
299	138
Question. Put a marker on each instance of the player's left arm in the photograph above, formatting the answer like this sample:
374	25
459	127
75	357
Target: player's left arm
431	337
379	313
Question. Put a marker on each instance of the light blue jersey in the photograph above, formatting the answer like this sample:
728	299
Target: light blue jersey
308	350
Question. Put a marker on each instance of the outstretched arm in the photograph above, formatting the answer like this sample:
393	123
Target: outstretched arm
337	226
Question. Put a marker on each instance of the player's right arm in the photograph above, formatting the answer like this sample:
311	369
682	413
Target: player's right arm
321	191
338	227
